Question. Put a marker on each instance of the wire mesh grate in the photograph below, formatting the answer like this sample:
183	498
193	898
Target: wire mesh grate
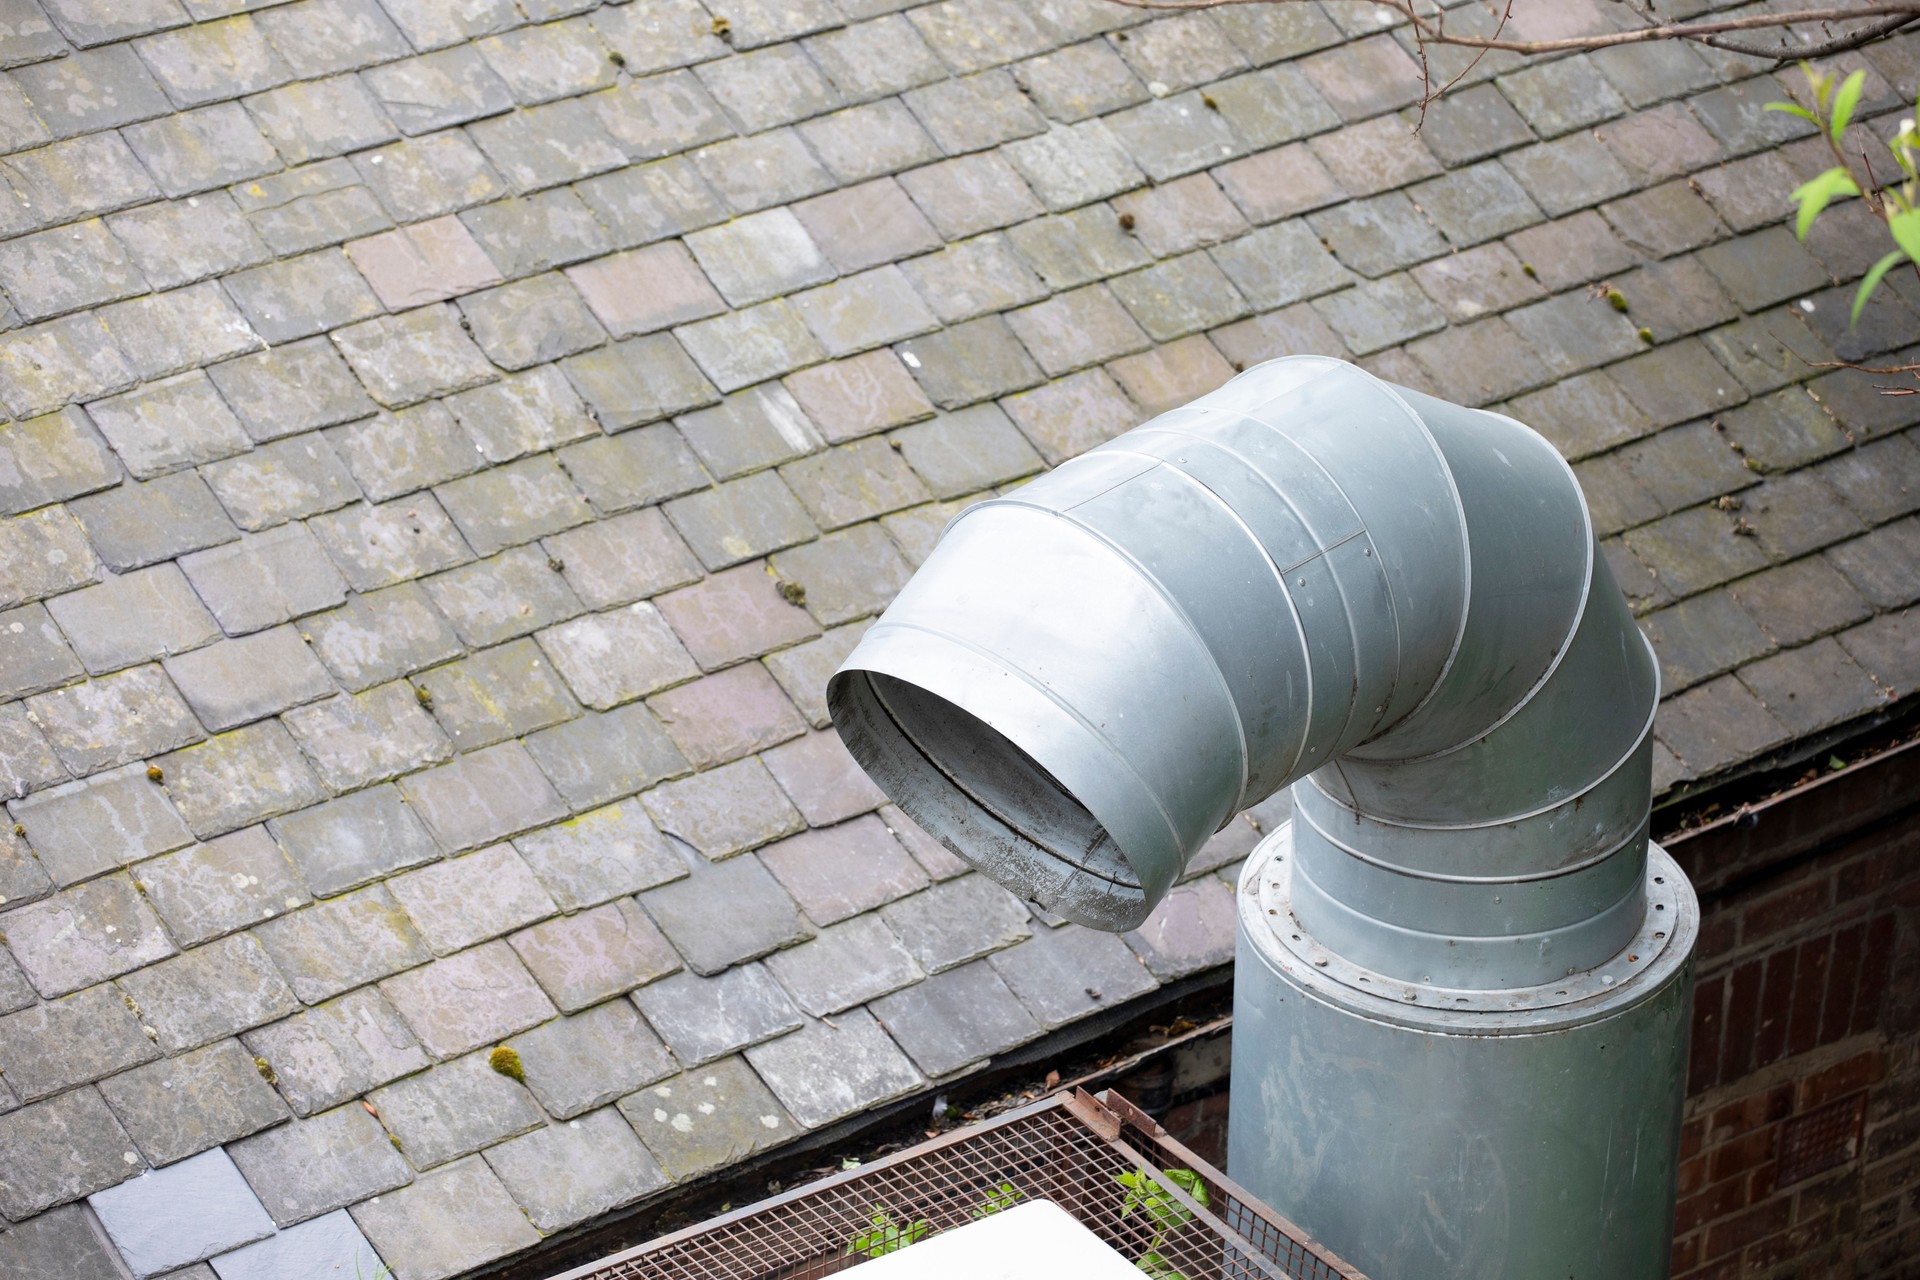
1070	1149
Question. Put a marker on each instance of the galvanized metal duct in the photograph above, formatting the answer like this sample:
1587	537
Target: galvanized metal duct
1463	970
1307	571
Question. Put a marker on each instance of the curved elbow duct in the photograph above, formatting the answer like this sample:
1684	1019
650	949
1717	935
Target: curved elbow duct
1306	574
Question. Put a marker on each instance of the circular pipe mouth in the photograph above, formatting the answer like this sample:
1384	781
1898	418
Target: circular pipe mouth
986	799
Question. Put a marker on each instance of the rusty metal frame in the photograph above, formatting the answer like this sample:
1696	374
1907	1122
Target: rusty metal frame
1068	1148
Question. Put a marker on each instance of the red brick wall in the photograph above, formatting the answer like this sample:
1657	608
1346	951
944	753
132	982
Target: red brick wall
1801	1152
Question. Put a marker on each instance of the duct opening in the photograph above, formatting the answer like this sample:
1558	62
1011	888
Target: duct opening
985	797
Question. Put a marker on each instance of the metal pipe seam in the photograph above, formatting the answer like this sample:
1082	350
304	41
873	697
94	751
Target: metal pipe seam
1306	574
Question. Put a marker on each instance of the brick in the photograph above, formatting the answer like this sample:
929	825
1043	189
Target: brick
117	718
867	1068
228	883
331	1053
106	821
1072	165
471	1220
424	177
213	991
634	382
181	1106
1171	375
1378	236
735	614
852	398
703	1119
957	921
77	266
470	899
601	855
169	1217
749	430
574	1064
707	1018
333	946
583	959
48	1048
36	656
973	278
381	635
767	169
64	1148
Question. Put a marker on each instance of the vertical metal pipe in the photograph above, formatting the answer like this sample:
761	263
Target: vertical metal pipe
1397	605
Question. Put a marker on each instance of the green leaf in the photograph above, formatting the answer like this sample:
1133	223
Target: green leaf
885	1238
1793	109
1906	233
1004	1197
1845	101
1816	193
1868	285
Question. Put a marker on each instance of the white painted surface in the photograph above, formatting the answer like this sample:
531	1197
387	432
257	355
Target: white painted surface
1037	1240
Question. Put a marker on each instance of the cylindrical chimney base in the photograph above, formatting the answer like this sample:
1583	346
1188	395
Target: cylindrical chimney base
1424	1133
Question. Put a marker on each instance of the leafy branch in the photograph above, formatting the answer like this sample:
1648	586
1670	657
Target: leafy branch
1832	111
1166	1215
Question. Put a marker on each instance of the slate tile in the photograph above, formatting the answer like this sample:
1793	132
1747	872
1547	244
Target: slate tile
461	901
53	272
615	657
320	39
51	1047
769	87
181	1106
970	194
213	991
563	1174
27	763
381	635
707	1118
114	719
963	452
1885	648
52	458
869	141
1072	165
542	231
576	1063
703	1018
652	201
282	481
213	60
530	322
36	656
429	26
662	115
238	778
957	921
291	388
391	454
467	1000
225	884
721	717
138	524
423	177
823	1072
329	1242
447	1222
847	964
438	89
503	597
646	289
264	579
552	60
580	960
1669	219
336	1051
629	383
238	681
724	810
653	38
802	670
600	757
60	1149
109	820
625	558
749	430
1191	929
1715	724
741	348
739	520
484	796
851	398
841	871
866	310
334	946
309	1167
725	914
61	1242
169	1217
1062	975
954	1018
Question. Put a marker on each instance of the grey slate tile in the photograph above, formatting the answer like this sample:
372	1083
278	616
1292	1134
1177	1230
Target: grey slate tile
381	635
448	1221
484	796
181	1106
344	843
464	1001
346	942
212	991
307	1167
63	1243
228	883
37	656
823	1072
117	718
461	901
725	914
565	1173
328	1243
335	1051
60	1149
237	681
240	777
51	1047
168	1218
599	757
706	1118
104	821
586	1060
704	1018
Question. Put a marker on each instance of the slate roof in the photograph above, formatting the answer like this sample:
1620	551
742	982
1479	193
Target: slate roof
451	444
